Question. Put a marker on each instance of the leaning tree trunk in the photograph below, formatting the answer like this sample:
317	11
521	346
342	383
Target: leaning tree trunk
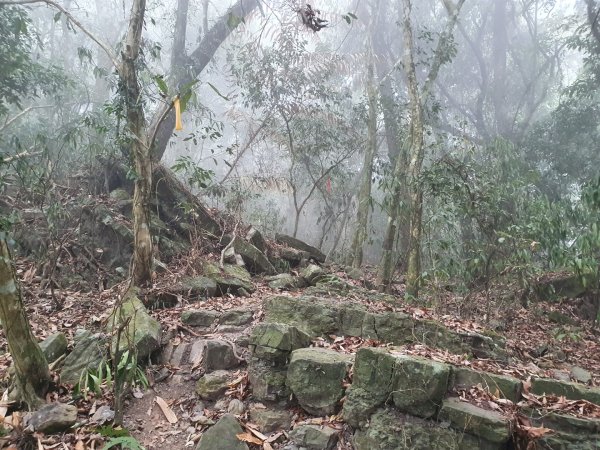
364	194
164	119
32	376
140	152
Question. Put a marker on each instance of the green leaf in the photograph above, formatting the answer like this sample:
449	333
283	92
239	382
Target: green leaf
184	99
126	442
162	85
217	91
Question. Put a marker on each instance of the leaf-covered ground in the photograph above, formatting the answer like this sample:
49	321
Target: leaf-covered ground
537	344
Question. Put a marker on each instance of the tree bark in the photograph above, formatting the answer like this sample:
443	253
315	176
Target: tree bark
32	376
364	194
140	152
416	156
164	119
417	99
500	55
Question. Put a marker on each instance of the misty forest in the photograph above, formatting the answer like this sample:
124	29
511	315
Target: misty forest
271	224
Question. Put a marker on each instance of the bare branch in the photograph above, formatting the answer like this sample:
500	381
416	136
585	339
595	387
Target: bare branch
25	154
21	114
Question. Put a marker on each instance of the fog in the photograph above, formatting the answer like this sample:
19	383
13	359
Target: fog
276	125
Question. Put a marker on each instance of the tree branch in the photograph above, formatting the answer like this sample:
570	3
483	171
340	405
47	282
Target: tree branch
21	114
103	45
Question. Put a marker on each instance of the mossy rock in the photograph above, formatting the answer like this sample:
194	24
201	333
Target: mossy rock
490	426
232	279
276	341
390	430
419	385
372	385
316	376
499	385
141	330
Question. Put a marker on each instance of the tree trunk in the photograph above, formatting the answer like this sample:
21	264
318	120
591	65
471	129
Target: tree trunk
178	50
136	124
417	100
364	194
500	55
32	376
416	154
164	119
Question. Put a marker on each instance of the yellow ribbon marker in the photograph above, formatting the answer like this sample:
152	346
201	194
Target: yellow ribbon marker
178	123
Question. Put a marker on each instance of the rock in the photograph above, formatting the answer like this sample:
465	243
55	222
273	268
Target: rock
285	282
316	376
198	287
293	257
53	418
231	257
569	432
372	385
270	420
268	381
499	385
419	385
581	375
561	375
256	238
290	241
390	430
572	391
103	414
256	261
221	404
232	279
236	407
236	317
275	341
355	274
488	425
315	437
223	435
87	354
243	340
213	385
199	317
317	317
219	355
54	346
141	330
119	194
312	273
568	285
310	314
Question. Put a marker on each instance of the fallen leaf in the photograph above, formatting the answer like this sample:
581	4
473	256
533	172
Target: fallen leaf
257	433
167	411
80	445
537	432
527	385
247	437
